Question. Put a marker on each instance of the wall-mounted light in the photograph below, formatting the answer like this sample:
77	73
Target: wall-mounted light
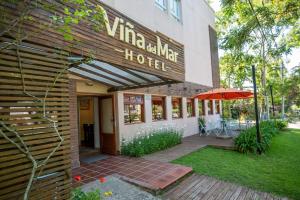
89	83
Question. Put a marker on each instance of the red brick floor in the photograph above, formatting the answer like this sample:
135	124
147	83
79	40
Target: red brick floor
153	175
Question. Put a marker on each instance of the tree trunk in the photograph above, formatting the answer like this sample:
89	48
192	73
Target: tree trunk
282	97
264	86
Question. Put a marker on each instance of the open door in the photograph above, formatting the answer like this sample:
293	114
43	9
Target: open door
107	128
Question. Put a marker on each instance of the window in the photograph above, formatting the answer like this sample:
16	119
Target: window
175	8
210	107
190	105
133	108
158	108
162	4
176	108
201	107
217	103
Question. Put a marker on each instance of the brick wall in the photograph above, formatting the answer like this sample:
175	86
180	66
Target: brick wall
73	124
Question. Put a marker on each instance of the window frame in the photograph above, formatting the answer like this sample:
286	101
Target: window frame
179	10
180	106
217	105
210	104
192	101
202	110
163	7
142	120
163	98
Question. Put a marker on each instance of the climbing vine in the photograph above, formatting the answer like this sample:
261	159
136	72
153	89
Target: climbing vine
62	20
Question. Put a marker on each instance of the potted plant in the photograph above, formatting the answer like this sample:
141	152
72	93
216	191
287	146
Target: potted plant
201	124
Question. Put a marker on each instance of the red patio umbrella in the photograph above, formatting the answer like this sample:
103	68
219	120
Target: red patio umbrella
225	94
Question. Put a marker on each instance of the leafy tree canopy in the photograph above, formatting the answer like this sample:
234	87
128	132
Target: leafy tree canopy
260	33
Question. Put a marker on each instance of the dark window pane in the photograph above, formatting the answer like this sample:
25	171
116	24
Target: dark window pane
158	108
210	107
176	108
201	107
190	107
133	109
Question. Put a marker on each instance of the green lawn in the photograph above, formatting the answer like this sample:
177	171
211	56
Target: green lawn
277	171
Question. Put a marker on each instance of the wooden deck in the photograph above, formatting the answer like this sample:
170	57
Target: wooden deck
200	187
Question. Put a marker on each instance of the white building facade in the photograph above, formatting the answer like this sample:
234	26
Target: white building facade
112	115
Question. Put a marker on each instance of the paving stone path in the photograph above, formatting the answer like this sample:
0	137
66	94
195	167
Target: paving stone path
295	125
188	145
200	187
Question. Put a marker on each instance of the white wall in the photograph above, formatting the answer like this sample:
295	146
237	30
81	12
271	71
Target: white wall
96	123
188	124
213	120
192	32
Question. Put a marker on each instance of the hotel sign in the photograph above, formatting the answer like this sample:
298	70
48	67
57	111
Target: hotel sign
141	48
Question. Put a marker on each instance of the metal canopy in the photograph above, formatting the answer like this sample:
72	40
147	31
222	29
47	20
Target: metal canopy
116	77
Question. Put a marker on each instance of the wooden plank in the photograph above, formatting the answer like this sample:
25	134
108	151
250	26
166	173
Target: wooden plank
58	66
15	98
14	155
27	169
32	109
203	189
4	185
50	139
27	165
42	154
31	54
196	191
192	191
32	103
236	193
173	193
35	148
213	191
18	189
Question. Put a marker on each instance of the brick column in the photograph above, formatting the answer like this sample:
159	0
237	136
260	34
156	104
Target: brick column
73	124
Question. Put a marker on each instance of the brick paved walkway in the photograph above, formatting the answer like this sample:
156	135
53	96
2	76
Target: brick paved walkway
153	175
197	187
188	145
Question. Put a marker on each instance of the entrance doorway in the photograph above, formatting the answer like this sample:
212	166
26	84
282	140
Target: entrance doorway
107	125
96	133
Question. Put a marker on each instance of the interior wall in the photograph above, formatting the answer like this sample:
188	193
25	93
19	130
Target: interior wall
96	124
86	106
89	87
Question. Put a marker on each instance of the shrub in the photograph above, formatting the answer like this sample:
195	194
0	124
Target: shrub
246	141
281	124
151	142
78	194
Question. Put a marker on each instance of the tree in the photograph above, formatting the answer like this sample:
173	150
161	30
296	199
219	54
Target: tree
292	88
254	32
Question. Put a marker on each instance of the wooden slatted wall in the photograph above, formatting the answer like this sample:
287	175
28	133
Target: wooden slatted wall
40	67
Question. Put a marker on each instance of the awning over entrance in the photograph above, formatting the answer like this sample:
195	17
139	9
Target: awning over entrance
118	78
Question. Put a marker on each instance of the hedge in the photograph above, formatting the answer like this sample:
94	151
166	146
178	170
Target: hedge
246	142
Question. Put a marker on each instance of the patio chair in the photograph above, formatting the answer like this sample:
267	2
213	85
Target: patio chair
202	129
214	128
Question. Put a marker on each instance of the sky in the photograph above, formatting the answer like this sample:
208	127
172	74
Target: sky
290	61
